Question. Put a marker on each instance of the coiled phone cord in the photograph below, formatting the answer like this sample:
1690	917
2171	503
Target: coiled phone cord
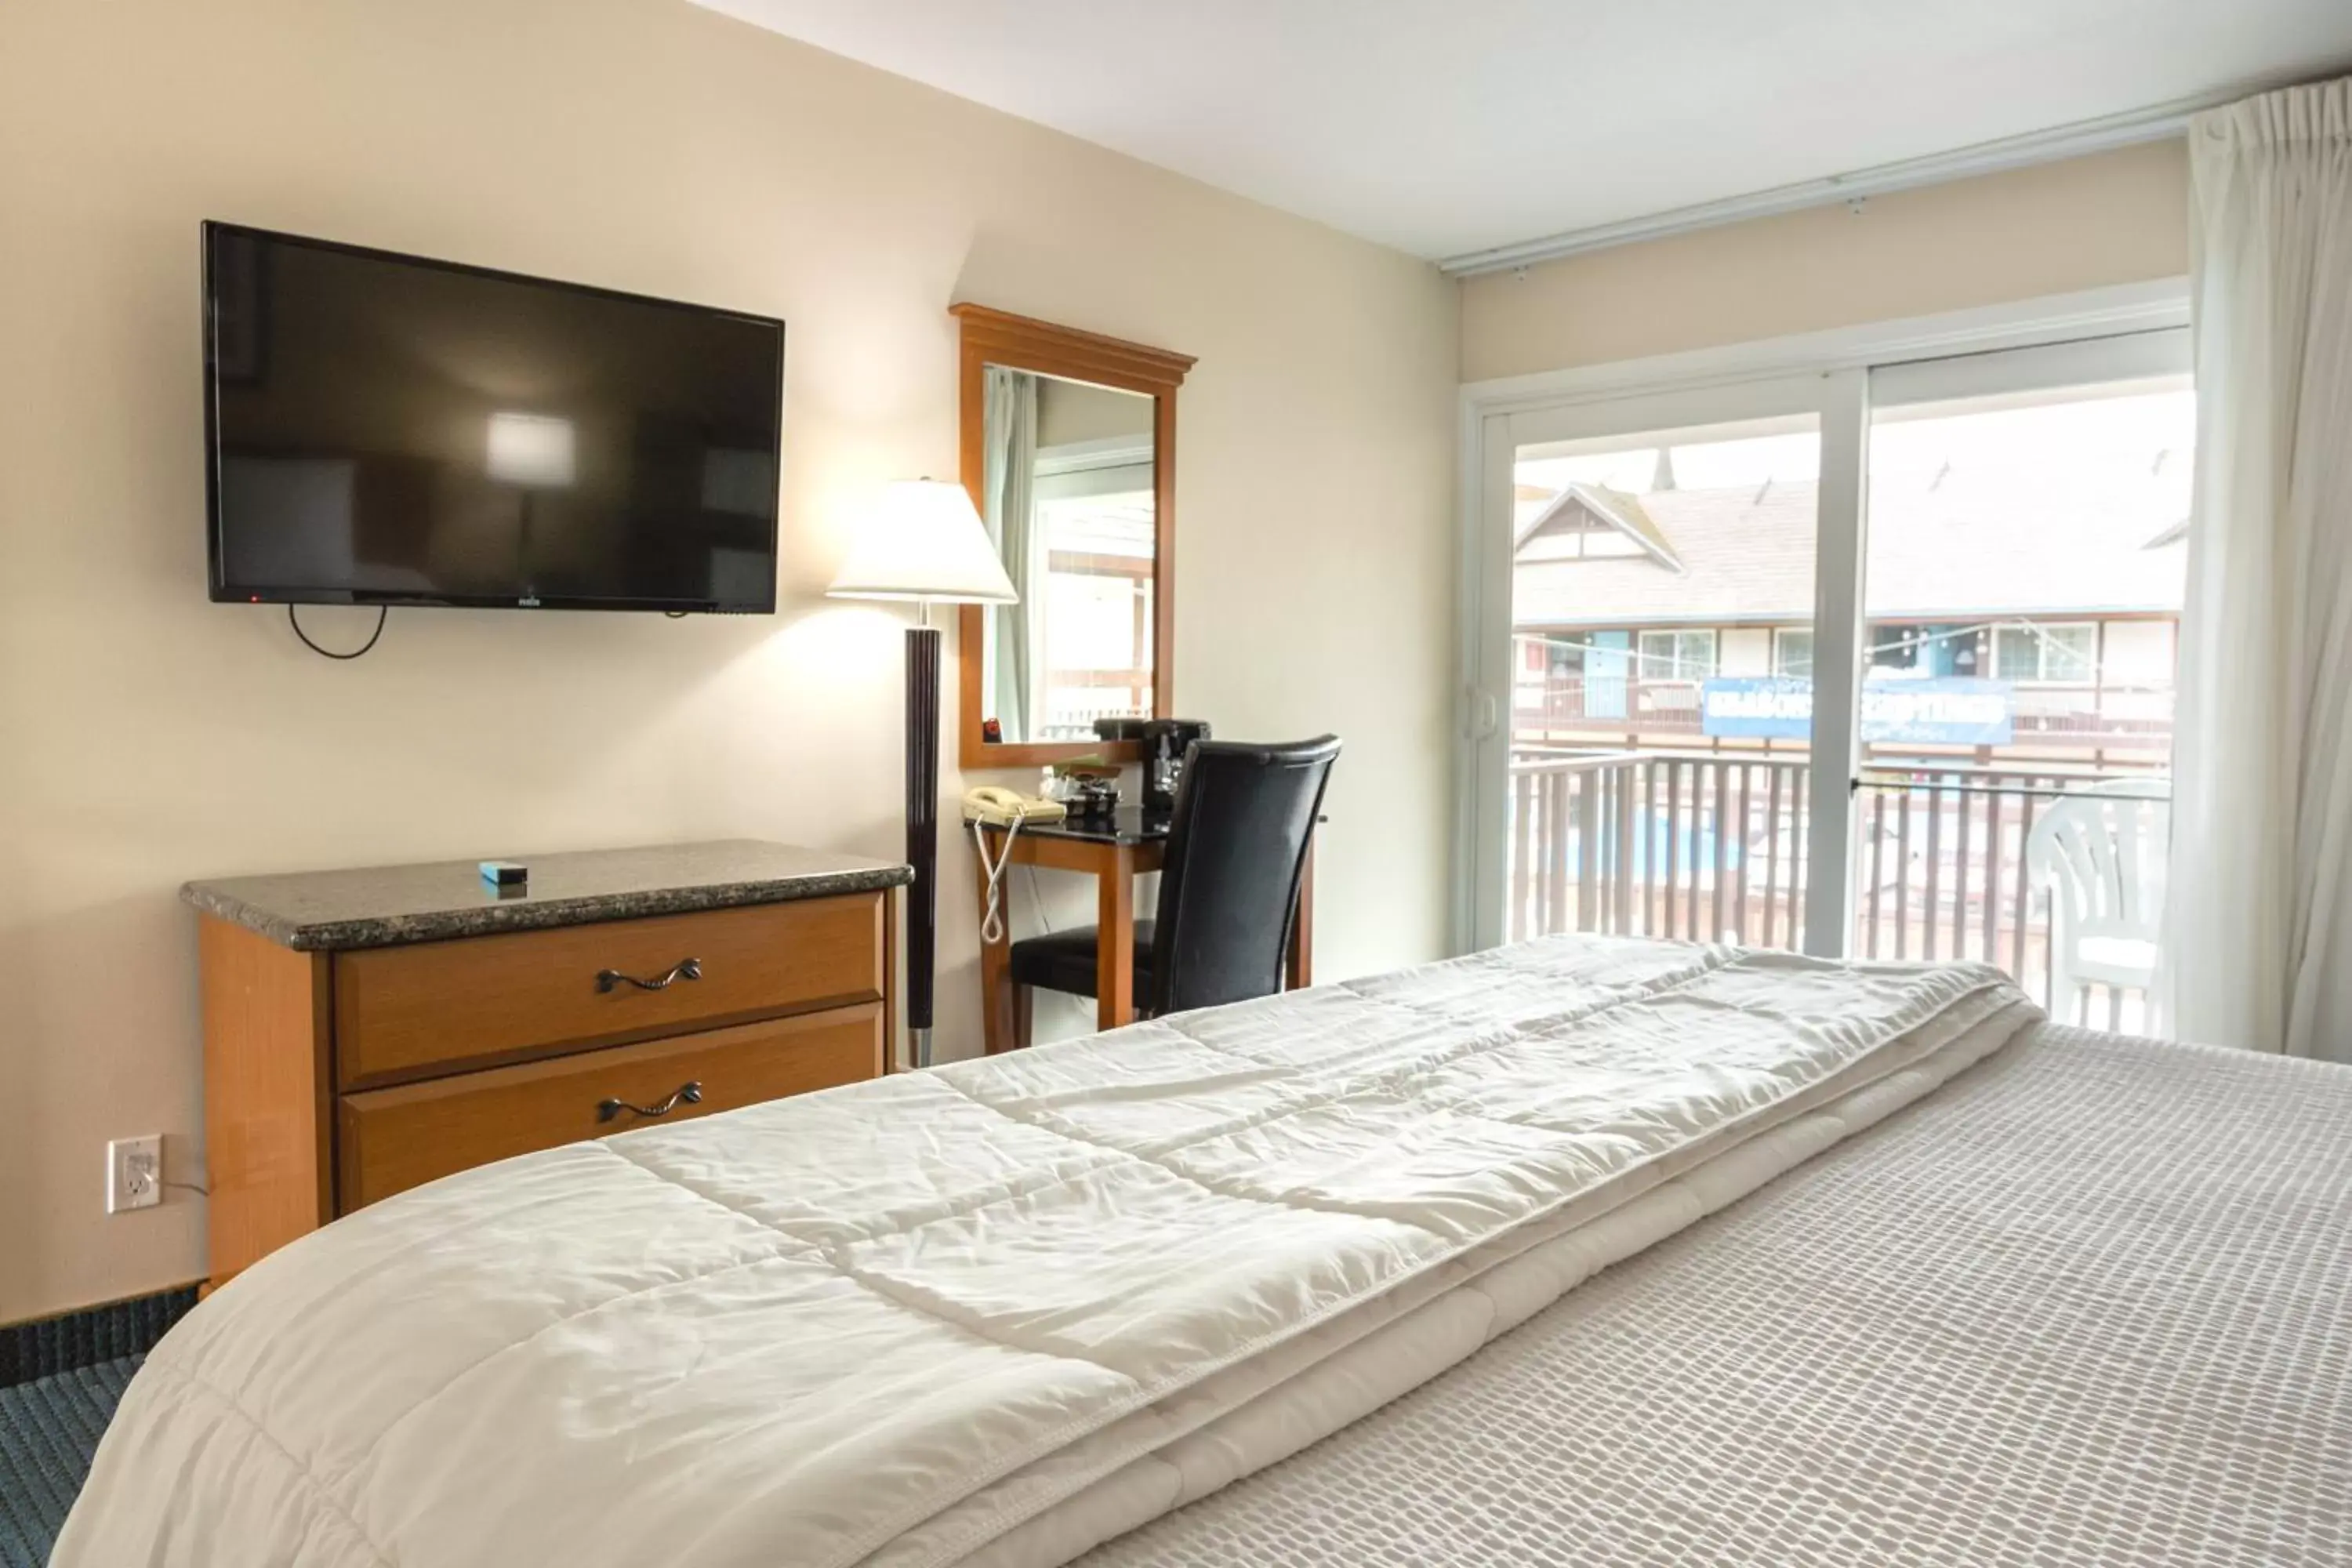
992	923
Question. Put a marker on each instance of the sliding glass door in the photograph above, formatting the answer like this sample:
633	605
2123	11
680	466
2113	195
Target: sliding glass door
1874	662
1655	746
2028	545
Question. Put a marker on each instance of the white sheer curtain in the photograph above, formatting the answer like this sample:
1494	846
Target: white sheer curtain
2259	938
1008	486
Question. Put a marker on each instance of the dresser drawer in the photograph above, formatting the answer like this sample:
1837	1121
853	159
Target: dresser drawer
390	1140
404	1013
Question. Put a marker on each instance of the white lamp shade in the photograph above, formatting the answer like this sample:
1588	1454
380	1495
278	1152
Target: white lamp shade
532	449
924	541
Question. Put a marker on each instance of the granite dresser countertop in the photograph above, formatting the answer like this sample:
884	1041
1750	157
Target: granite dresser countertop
386	906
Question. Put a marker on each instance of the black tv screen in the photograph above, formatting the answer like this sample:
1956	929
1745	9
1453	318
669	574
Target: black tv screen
381	429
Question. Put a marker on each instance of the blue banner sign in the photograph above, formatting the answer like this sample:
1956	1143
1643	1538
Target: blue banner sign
1757	708
1947	710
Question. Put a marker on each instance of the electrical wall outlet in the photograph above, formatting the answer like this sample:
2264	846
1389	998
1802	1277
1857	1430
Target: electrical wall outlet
134	1172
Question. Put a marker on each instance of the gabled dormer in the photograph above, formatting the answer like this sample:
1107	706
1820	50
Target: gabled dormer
1588	522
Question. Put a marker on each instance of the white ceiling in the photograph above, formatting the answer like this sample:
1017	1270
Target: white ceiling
1444	127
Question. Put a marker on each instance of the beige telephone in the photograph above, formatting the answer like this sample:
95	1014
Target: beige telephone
1001	807
992	805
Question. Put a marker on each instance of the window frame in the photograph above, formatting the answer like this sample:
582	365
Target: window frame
2039	632
1675	664
1837	375
1780	639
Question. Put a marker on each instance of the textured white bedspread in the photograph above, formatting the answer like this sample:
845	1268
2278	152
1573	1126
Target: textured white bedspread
1002	1311
2091	1304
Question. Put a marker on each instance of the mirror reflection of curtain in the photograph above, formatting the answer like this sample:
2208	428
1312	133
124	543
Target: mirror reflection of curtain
1008	483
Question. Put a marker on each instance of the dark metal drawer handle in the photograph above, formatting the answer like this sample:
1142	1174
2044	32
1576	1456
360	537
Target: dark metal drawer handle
687	1094
683	969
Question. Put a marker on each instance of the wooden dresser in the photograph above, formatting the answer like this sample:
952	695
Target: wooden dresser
367	1031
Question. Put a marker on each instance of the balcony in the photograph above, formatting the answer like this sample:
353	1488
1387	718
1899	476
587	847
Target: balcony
1711	847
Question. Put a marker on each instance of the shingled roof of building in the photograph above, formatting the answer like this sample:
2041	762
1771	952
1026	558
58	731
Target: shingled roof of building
1943	551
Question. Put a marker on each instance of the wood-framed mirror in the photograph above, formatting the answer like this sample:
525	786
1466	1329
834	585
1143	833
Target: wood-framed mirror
1069	453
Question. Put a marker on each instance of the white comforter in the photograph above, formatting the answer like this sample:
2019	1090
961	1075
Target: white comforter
995	1312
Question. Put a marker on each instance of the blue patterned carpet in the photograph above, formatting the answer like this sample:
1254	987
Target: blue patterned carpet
48	1430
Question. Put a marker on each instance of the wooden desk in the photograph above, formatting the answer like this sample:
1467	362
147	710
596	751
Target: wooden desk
1114	851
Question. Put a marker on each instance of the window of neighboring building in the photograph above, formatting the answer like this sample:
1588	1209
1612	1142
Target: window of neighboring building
2063	655
1893	648
2071	654
1677	655
1793	652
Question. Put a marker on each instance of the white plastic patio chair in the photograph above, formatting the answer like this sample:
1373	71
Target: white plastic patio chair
2100	855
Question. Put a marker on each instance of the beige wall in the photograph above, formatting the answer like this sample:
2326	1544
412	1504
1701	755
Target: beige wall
1744	650
2114	217
2138	650
147	736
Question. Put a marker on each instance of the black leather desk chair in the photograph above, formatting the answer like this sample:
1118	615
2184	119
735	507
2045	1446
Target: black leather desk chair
1236	844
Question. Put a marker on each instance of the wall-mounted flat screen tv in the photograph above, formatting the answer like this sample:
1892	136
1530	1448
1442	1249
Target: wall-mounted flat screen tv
381	429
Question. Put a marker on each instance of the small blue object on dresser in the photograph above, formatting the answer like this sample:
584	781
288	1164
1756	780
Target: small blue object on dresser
506	876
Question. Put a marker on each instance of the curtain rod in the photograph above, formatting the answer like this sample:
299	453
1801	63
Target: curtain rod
2131	128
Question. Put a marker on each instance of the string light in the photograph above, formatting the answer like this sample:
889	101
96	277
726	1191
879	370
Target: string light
1901	645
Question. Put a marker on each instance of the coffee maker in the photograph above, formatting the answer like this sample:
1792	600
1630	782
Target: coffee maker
1163	742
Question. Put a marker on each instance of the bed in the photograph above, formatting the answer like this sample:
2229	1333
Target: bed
1311	1279
2086	1305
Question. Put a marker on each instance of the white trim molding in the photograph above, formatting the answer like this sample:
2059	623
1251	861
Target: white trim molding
2157	122
1843	524
2158	305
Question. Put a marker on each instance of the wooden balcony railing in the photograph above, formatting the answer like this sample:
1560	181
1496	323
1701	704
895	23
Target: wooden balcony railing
1695	847
1711	847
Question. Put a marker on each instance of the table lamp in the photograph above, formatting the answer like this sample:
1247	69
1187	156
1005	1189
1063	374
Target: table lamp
924	542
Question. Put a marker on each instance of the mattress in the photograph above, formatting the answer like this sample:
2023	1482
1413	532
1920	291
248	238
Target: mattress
2091	1304
996	1313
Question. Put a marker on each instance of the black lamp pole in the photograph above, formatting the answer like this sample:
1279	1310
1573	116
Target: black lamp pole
930	545
922	830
